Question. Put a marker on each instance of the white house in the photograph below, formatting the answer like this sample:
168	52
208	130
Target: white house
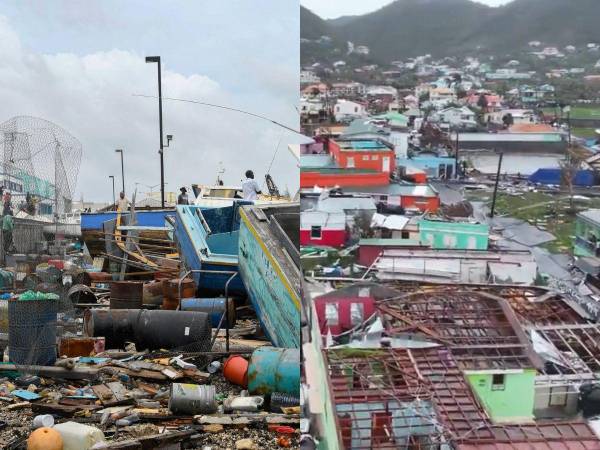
350	89
362	50
310	106
345	110
308	77
456	117
519	116
440	97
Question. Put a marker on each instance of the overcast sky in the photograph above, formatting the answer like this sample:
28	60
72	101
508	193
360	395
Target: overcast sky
330	9
78	64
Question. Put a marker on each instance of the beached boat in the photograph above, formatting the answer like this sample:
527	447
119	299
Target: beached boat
269	263
68	225
207	239
219	195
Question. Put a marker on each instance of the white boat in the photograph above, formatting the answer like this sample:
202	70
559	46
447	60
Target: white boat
68	224
220	196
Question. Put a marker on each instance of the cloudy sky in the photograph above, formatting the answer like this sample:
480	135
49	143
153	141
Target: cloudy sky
331	9
79	64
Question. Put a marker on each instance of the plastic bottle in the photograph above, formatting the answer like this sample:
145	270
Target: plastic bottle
77	436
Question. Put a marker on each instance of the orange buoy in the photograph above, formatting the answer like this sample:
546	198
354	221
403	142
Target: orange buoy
45	439
235	370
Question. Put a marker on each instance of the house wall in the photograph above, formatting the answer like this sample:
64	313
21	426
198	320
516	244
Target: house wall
344	312
370	159
431	166
320	403
368	253
430	204
584	230
513	403
549	399
452	235
311	179
330	238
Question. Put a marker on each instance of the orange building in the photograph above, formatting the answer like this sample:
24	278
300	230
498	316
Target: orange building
369	154
364	162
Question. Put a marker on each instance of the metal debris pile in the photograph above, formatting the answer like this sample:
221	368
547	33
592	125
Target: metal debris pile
140	363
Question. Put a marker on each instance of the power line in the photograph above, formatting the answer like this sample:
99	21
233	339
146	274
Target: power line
228	108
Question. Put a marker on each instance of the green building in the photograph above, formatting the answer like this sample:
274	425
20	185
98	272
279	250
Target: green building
506	395
587	233
447	235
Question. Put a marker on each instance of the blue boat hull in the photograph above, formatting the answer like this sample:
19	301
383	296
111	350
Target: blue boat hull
94	221
211	252
273	287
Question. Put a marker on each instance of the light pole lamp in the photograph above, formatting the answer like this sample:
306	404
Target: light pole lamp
156	59
113	186
122	168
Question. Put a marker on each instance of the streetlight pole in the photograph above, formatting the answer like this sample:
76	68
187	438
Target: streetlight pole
113	185
122	168
156	59
496	185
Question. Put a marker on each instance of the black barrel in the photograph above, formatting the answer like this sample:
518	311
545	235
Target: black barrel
150	330
32	331
126	295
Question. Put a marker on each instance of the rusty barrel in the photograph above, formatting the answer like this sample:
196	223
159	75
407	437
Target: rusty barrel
153	293
126	294
171	291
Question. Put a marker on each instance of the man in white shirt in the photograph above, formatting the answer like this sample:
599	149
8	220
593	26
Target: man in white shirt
250	187
122	203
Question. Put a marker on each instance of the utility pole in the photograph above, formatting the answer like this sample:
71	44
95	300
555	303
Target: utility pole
156	59
456	169
569	125
496	185
113	186
122	168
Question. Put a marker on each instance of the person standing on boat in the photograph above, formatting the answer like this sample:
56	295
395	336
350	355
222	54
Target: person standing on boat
122	203
6	199
182	199
7	231
250	187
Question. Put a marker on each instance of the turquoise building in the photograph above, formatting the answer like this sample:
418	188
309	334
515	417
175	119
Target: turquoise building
454	235
587	233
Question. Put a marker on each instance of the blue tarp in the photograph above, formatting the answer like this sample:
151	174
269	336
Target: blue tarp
554	176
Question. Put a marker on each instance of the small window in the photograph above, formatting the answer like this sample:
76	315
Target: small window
374	157
405	235
365	157
357	313
356	109
498	382
331	314
315	232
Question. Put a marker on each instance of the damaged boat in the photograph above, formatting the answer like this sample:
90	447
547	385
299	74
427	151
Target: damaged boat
269	263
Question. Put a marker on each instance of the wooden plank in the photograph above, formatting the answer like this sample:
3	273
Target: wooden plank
119	391
105	395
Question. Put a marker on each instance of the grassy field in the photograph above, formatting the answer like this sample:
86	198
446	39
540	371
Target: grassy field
577	112
585	133
550	212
